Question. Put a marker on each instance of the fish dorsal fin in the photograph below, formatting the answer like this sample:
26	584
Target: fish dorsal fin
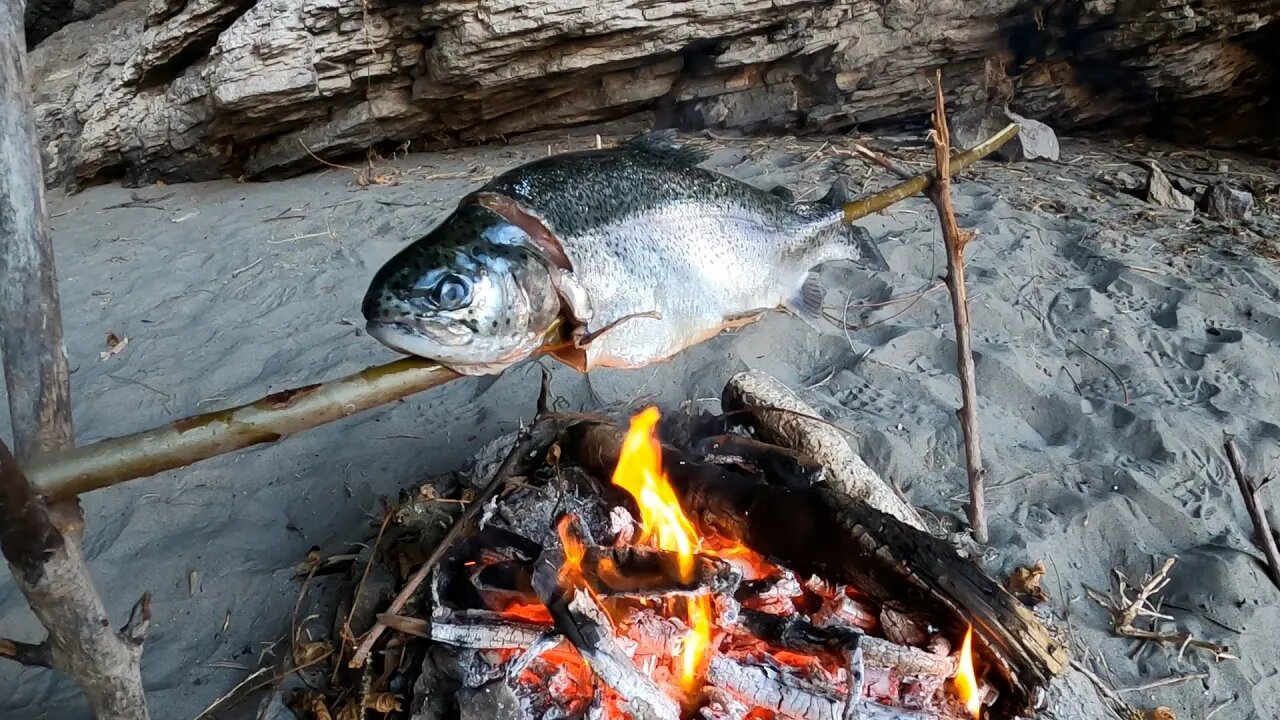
839	195
662	143
784	192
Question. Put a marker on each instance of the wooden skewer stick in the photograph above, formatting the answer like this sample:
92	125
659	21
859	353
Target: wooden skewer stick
1261	525
956	240
275	417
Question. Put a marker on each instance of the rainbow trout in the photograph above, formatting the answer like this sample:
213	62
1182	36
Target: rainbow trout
606	258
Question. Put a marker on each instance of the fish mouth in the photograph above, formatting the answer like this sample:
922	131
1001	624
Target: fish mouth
407	339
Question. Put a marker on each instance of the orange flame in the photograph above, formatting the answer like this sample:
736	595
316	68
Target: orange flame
967	679
571	568
640	473
664	524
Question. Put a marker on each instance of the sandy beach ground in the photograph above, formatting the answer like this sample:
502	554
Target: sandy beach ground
1116	342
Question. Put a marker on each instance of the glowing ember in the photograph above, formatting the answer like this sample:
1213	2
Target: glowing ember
966	679
664	524
571	568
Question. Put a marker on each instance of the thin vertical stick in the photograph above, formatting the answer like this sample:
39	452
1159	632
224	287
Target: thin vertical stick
43	543
1249	491
956	240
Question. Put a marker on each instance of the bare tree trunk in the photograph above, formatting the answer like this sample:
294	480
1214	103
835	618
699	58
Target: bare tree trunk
46	560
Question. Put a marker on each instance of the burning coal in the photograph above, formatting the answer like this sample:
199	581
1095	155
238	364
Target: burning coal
626	608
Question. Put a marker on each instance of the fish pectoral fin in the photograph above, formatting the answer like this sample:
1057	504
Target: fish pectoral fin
808	303
582	338
573	351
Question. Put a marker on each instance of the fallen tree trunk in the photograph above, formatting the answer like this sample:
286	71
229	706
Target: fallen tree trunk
205	88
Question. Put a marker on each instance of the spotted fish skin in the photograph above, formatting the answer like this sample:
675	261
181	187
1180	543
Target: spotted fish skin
645	229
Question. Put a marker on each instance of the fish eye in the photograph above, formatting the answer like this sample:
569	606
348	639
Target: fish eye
450	292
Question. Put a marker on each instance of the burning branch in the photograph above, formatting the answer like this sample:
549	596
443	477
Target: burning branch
956	239
1266	538
1126	610
43	543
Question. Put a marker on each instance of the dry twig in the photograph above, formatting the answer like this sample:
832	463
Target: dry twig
1265	537
956	239
1125	612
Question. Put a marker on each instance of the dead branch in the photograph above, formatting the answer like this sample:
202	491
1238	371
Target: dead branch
883	161
45	556
956	240
1262	527
1125	612
50	570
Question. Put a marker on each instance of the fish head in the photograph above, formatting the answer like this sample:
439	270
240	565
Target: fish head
473	295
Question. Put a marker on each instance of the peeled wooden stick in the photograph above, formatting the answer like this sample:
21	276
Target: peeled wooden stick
275	417
760	392
917	184
956	240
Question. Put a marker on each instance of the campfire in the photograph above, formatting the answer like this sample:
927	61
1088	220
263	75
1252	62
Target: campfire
602	587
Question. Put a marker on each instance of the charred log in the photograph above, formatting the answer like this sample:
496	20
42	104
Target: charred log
823	532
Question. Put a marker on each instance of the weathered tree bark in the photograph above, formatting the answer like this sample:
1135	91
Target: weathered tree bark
191	90
45	556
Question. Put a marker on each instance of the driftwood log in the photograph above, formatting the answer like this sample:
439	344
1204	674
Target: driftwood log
42	543
791	426
164	89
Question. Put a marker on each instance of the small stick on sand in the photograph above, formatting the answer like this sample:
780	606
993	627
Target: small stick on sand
1262	527
956	240
1125	611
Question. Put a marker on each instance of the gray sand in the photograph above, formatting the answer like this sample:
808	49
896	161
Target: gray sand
228	291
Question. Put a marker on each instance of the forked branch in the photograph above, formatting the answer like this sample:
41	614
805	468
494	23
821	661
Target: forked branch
1130	603
956	240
